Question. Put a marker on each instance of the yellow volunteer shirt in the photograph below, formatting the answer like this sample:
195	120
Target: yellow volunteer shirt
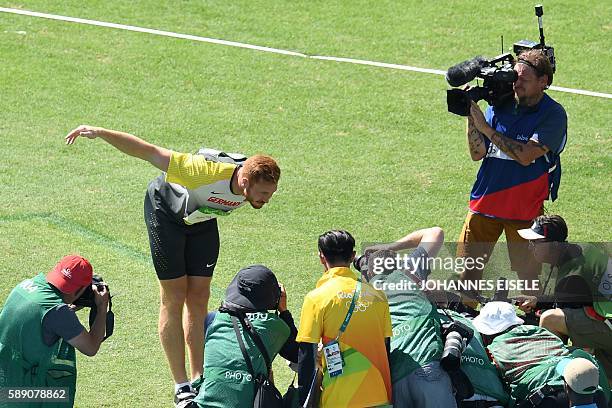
206	184
366	380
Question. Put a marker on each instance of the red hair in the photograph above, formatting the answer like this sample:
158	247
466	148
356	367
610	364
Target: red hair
261	168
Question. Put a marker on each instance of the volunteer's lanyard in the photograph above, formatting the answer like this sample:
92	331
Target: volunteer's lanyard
350	311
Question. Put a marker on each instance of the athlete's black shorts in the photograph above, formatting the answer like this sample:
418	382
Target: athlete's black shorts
178	249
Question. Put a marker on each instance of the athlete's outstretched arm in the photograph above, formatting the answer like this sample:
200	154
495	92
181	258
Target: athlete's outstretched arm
125	142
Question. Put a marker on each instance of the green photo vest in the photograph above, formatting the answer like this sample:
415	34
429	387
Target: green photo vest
25	360
227	381
416	337
476	365
527	357
592	266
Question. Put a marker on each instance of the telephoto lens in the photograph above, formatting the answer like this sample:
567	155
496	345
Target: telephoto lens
456	335
453	348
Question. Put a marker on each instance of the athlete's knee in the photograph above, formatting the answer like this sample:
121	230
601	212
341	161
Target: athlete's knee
198	301
173	299
198	293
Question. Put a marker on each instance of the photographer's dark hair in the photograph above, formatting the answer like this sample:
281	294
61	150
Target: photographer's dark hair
337	246
537	60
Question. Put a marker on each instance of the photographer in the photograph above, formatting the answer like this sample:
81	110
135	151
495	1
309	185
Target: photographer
584	305
488	389
519	143
252	294
580	378
39	329
417	343
527	356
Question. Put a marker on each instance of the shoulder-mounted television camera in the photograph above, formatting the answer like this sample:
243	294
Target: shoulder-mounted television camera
498	75
87	299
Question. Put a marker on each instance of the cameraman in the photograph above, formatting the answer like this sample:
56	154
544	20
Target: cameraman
519	144
39	329
417	344
584	305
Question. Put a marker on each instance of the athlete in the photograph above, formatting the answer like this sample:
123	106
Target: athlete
181	208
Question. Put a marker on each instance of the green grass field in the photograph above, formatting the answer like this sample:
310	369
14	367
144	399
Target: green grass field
366	149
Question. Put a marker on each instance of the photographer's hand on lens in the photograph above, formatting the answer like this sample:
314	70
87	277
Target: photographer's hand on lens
282	304
101	296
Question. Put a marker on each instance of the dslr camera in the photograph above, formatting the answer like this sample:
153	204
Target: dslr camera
87	299
456	337
498	75
363	262
360	263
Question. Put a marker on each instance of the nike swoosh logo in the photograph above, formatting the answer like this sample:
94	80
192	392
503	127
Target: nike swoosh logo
214	192
212	264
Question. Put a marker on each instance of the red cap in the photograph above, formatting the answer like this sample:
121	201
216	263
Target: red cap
70	274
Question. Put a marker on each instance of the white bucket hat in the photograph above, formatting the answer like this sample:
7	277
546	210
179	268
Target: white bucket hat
495	317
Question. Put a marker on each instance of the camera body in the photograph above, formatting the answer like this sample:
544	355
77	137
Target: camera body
87	299
498	75
456	337
363	262
360	263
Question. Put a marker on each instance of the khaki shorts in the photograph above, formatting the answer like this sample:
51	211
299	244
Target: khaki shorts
585	331
478	238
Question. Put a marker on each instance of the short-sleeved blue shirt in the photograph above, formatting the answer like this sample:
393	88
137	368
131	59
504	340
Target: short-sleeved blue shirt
506	189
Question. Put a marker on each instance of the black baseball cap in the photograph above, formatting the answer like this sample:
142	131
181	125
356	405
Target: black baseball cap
548	227
253	289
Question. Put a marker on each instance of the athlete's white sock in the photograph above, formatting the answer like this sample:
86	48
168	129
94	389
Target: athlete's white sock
181	385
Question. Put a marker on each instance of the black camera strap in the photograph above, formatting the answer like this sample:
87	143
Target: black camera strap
247	359
248	328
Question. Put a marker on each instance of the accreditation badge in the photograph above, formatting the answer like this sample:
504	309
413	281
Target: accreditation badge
333	359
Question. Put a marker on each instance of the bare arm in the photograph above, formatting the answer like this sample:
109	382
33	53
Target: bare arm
476	141
126	143
523	153
430	239
89	343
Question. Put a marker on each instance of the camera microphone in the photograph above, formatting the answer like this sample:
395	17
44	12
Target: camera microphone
465	71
